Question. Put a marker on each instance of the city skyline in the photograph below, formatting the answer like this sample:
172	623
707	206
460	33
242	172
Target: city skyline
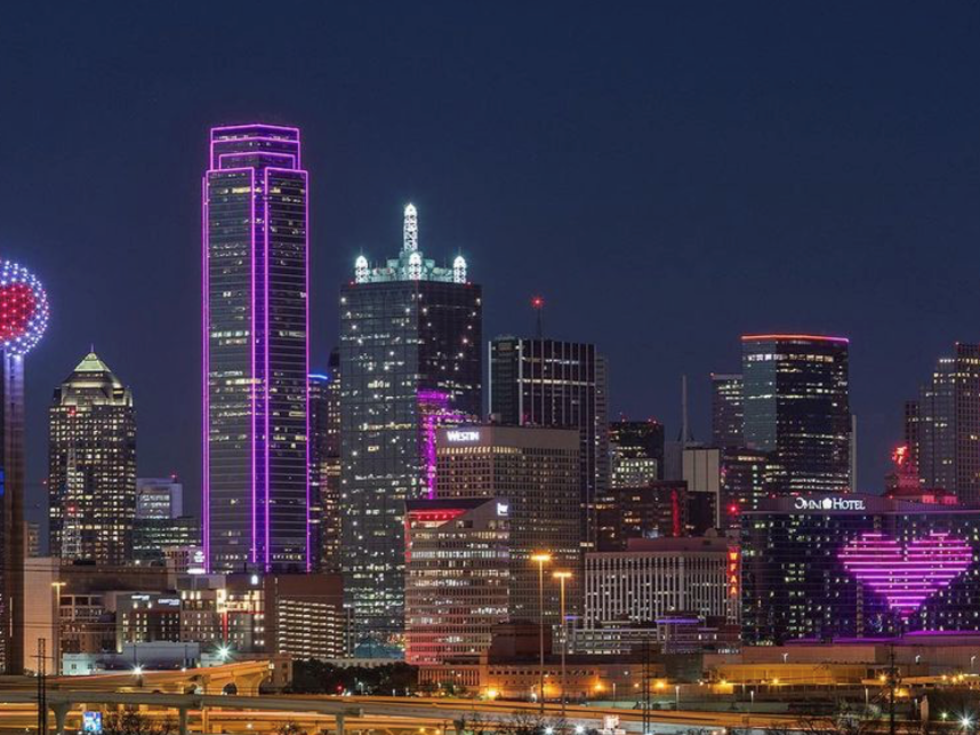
365	187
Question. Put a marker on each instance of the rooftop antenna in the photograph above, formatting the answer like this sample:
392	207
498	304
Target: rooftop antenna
537	303
685	438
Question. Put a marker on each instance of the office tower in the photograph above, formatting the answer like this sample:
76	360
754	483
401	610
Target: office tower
545	382
23	320
652	579
92	466
637	452
660	508
256	316
727	414
410	360
796	408
535	471
325	541
153	538
857	566
701	470
457	577
949	425
159	497
746	481
910	433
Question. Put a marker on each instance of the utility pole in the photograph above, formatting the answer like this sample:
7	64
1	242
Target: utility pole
647	670
892	682
42	688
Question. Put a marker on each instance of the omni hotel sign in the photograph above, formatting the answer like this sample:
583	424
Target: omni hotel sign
835	503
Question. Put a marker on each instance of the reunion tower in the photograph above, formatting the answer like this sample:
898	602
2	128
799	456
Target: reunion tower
23	319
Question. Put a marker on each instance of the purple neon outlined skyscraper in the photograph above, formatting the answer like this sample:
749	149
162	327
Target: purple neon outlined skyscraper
256	351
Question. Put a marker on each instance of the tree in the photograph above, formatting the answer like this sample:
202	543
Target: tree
134	722
289	728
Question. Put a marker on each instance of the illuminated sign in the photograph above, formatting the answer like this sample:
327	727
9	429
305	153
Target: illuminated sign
829	504
906	576
92	722
463	436
503	509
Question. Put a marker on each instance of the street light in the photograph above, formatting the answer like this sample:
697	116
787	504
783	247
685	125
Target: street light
562	577
677	697
541	559
56	643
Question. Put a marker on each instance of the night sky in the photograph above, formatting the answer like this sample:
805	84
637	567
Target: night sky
668	175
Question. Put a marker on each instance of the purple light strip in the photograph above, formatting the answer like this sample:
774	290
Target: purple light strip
206	353
216	138
244	154
435	407
306	244
265	378
254	385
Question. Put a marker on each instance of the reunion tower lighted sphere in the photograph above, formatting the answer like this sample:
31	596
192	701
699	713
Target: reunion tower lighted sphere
23	309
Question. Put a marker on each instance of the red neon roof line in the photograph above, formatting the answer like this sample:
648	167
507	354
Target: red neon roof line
813	337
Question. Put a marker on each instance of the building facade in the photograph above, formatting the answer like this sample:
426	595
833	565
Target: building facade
256	316
656	579
551	383
457	577
857	566
535	472
745	483
656	509
796	407
636	451
947	440
92	466
410	360
159	497
727	411
325	516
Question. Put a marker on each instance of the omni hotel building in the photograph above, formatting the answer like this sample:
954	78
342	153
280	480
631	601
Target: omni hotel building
857	566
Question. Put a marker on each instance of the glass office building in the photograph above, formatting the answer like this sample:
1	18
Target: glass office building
796	408
410	360
563	385
256	315
946	449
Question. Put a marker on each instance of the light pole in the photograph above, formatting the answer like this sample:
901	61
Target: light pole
56	643
541	559
562	577
677	697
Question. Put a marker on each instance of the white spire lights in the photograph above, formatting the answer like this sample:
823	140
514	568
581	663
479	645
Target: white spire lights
459	269
410	230
415	267
361	269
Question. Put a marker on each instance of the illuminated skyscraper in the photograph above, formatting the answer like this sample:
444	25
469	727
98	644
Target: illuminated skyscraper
92	466
546	382
325	541
637	451
256	315
726	411
948	424
23	319
797	409
410	360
